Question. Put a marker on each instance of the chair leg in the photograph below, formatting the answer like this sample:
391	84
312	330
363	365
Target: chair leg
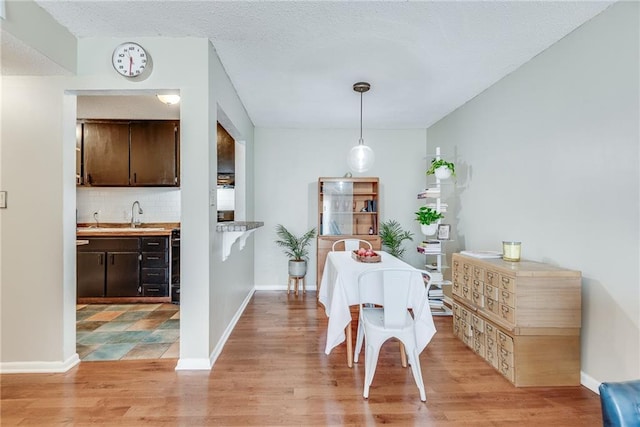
414	360
403	355
359	340
370	363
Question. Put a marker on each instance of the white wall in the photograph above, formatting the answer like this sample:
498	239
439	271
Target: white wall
550	156
288	164
38	170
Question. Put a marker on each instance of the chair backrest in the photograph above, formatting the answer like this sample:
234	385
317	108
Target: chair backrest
350	244
389	287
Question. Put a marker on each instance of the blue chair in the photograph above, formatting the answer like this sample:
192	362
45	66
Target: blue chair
620	403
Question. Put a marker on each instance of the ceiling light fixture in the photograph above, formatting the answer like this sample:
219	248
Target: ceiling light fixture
169	99
361	157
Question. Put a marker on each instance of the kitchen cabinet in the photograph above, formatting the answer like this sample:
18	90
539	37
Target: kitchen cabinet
226	152
154	153
127	153
154	277
106	153
90	274
108	267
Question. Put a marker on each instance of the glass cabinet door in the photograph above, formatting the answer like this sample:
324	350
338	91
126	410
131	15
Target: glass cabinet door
337	208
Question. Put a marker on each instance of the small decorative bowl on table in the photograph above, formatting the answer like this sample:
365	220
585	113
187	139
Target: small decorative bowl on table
369	256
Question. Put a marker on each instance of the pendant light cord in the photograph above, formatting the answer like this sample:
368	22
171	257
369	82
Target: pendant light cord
361	142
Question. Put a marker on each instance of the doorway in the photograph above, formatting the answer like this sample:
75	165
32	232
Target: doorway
127	329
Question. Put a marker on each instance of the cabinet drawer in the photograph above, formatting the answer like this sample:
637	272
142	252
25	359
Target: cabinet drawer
507	313
155	276
467	269
456	266
507	283
492	357
456	289
490	331
506	370
479	348
155	290
466	293
507	298
505	341
478	273
492	278
155	259
477	286
456	309
492	305
465	315
477	299
491	291
477	323
153	243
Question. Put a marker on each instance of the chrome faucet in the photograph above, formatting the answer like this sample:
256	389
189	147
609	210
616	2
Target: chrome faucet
133	222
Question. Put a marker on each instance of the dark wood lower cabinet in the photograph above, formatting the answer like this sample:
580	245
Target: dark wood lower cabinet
112	267
91	273
123	274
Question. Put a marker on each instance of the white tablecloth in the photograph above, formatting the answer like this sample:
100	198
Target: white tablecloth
339	290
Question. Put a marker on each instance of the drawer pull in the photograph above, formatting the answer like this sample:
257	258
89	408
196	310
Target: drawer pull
153	274
502	338
153	257
504	352
490	303
153	243
505	294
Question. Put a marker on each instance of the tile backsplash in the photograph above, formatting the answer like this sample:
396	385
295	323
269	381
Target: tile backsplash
114	204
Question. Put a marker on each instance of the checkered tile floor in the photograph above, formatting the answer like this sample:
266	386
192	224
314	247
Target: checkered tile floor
127	331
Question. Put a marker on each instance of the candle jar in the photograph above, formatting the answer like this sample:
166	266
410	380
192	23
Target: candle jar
511	251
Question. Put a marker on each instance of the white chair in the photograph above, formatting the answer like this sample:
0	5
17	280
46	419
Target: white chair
388	288
351	244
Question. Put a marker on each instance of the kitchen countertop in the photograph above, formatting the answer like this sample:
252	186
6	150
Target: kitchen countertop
238	225
125	229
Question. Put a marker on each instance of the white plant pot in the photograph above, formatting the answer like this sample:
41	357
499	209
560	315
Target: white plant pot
443	172
297	268
429	230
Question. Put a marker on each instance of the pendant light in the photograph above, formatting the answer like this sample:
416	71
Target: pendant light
361	157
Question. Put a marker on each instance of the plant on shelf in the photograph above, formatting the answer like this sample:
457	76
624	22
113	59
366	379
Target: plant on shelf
441	169
428	219
296	248
392	235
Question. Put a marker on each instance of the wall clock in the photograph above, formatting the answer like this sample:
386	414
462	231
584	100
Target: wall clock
130	59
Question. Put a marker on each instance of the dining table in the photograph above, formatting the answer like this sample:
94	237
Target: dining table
339	291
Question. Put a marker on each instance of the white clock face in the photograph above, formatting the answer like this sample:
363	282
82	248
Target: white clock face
129	59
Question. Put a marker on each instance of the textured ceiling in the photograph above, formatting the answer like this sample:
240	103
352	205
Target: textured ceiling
293	64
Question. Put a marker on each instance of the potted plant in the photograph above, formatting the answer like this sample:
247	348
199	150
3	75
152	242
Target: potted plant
392	235
428	219
442	169
296	248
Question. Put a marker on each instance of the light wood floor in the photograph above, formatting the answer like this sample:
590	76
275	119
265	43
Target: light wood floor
273	371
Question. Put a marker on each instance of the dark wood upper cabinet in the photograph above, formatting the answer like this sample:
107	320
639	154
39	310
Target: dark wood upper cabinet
154	147
226	152
106	153
131	153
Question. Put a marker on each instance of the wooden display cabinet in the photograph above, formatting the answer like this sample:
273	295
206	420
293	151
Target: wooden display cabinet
348	208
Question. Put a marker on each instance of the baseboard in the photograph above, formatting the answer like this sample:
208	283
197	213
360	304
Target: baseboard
39	367
206	364
590	382
200	364
310	287
227	332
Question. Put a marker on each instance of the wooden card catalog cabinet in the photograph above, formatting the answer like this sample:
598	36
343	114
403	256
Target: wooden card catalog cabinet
523	318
